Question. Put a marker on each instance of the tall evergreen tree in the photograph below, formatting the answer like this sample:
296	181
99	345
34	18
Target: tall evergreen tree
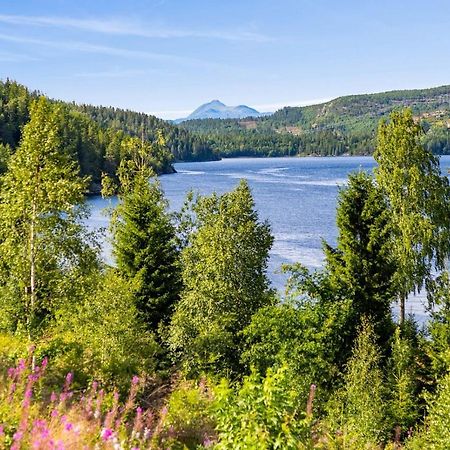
43	251
360	267
418	199
144	240
225	280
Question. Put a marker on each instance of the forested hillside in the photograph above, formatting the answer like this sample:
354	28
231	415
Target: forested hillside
346	125
98	137
183	344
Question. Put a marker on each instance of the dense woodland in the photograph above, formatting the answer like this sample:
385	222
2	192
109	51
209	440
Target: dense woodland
183	343
346	125
99	137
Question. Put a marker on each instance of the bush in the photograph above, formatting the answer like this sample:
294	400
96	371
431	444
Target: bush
103	338
263	413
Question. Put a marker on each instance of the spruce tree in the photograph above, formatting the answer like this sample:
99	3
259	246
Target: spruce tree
360	267
144	240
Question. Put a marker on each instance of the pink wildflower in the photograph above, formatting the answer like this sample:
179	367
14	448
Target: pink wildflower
135	380
106	434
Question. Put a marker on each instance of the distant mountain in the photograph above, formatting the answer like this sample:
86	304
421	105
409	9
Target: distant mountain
217	110
345	125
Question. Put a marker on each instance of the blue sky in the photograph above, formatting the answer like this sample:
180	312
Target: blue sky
166	57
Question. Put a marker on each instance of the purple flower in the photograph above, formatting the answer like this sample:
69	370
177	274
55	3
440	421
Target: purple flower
135	380
44	363
53	397
2	430
68	426
106	434
18	435
69	379
54	413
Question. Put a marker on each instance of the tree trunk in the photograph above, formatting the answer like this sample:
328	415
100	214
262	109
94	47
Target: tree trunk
32	279
402	309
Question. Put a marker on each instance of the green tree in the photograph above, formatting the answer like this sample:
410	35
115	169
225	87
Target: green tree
225	281
403	381
435	435
44	250
418	203
144	240
358	410
360	267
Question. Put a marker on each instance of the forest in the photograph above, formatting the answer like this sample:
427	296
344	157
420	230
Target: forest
182	343
98	137
345	125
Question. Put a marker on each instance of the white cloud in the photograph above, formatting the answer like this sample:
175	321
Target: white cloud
112	51
121	27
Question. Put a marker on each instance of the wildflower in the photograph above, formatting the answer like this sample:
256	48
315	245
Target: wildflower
135	380
68	426
53	397
18	435
147	433
44	363
68	382
54	413
106	434
2	430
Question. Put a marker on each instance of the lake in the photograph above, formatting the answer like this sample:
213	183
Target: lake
296	195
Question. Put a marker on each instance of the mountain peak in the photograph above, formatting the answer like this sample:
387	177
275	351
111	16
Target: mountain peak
215	109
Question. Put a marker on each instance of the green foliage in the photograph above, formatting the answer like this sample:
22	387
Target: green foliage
360	267
418	202
44	250
144	241
263	413
225	281
439	325
102	338
403	382
358	410
435	435
302	335
190	414
98	137
5	154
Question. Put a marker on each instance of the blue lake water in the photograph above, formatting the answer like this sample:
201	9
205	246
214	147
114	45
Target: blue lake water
296	195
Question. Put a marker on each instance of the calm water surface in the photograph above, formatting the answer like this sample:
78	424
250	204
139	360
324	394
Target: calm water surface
296	195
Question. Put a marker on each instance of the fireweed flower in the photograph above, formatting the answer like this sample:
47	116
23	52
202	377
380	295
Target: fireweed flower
135	380
44	363
68	382
106	434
